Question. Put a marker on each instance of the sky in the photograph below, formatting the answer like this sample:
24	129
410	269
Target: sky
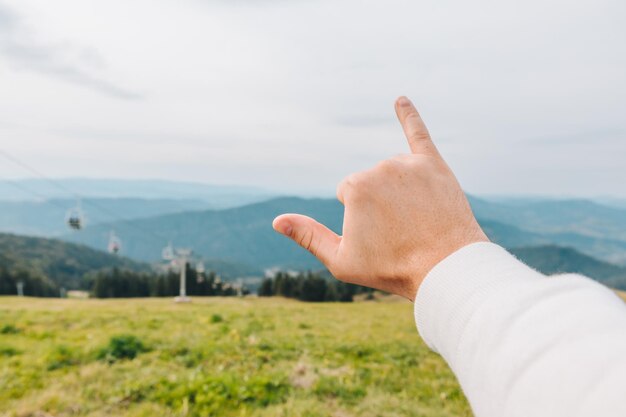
522	98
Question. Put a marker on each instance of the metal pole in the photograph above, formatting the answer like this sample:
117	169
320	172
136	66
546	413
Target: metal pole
183	278
182	256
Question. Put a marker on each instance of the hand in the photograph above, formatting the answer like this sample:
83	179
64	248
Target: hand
401	218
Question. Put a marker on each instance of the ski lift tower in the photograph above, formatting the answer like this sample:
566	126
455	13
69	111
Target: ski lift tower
181	256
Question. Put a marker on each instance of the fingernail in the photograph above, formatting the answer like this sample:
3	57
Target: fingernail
404	102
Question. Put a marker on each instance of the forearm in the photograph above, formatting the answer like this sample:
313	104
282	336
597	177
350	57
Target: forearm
523	344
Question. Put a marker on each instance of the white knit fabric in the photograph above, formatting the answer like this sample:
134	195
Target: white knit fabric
522	344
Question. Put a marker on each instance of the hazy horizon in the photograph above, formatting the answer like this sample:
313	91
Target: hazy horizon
53	192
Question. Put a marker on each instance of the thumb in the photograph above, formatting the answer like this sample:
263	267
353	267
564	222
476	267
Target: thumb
311	235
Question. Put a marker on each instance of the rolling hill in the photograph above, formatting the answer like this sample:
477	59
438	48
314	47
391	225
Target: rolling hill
62	263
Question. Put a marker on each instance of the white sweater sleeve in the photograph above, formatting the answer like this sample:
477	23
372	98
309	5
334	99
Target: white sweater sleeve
523	344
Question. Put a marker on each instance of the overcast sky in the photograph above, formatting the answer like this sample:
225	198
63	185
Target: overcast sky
525	97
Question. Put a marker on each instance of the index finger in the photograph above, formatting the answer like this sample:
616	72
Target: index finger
414	128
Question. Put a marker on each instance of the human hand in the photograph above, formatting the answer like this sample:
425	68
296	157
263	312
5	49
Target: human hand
401	218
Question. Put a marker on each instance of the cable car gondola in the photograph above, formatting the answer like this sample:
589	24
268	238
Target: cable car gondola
115	244
75	218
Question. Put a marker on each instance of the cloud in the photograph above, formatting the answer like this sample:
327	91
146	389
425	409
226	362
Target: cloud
66	62
297	94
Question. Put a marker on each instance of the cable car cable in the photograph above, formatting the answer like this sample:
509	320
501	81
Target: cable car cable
59	185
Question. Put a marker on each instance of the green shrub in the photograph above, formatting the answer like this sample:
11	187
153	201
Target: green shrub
10	329
8	351
216	318
122	347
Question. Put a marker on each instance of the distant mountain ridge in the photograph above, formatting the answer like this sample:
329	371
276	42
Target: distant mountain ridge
244	234
552	259
582	217
591	228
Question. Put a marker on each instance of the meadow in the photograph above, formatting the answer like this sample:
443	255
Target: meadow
218	357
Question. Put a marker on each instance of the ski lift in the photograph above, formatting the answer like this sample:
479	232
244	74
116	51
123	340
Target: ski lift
115	244
168	252
75	218
200	272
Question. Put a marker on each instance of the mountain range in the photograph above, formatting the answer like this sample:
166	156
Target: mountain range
244	234
581	217
238	240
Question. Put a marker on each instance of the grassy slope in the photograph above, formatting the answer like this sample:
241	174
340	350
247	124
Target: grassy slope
267	357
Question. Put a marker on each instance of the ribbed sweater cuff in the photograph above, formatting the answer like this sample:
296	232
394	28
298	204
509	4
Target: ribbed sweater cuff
457	286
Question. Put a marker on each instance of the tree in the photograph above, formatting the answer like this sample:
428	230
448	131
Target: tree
267	288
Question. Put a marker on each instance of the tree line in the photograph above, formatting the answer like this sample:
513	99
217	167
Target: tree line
310	287
120	283
33	284
124	283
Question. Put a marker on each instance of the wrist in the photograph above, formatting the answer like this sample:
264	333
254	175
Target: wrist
438	256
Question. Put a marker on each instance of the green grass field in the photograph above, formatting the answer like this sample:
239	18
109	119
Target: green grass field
218	357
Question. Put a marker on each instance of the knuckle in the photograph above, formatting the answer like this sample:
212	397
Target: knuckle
355	186
404	162
419	136
387	166
412	115
416	163
353	181
340	197
340	191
